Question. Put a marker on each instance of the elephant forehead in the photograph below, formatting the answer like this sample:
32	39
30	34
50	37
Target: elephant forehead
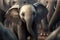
28	8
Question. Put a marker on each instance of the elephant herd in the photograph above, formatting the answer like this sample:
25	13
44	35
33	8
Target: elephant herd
20	22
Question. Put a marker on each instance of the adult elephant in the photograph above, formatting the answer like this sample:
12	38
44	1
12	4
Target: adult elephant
6	34
23	20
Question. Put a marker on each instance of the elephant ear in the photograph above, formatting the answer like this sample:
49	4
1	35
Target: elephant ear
41	9
14	8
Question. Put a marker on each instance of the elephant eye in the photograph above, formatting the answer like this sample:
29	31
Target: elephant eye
23	14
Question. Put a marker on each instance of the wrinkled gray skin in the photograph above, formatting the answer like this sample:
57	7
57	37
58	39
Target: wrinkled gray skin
55	35
6	34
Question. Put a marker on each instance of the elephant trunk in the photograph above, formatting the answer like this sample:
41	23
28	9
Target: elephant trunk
29	26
